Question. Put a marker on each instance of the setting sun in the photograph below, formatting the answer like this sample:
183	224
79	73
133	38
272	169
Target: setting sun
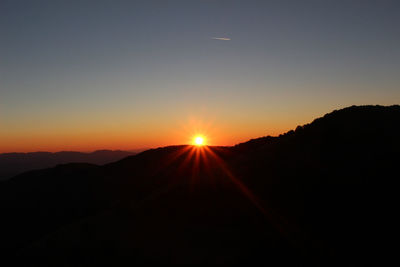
199	141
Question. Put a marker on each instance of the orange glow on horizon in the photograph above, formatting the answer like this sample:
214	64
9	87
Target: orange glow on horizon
91	137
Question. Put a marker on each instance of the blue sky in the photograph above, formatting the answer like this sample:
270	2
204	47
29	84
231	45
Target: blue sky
74	69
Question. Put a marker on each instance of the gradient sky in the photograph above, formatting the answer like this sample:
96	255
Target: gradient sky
86	75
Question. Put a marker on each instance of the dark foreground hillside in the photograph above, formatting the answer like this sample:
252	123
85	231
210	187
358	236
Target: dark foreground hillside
324	193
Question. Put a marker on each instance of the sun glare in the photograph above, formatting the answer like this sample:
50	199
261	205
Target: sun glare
199	141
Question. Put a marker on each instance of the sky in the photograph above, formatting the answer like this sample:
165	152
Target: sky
87	75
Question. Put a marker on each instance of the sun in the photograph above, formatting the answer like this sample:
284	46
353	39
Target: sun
199	140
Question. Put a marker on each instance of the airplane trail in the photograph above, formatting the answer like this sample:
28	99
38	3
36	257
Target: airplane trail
221	38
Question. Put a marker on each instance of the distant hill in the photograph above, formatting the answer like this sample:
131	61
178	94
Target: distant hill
12	164
324	193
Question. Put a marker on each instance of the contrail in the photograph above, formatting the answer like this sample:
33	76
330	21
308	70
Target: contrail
221	38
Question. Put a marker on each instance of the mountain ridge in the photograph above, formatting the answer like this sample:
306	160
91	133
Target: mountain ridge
15	163
308	193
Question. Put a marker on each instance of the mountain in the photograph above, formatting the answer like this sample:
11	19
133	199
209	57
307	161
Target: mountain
12	164
324	193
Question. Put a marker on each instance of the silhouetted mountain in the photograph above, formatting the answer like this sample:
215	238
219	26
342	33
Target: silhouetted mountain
12	164
322	194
